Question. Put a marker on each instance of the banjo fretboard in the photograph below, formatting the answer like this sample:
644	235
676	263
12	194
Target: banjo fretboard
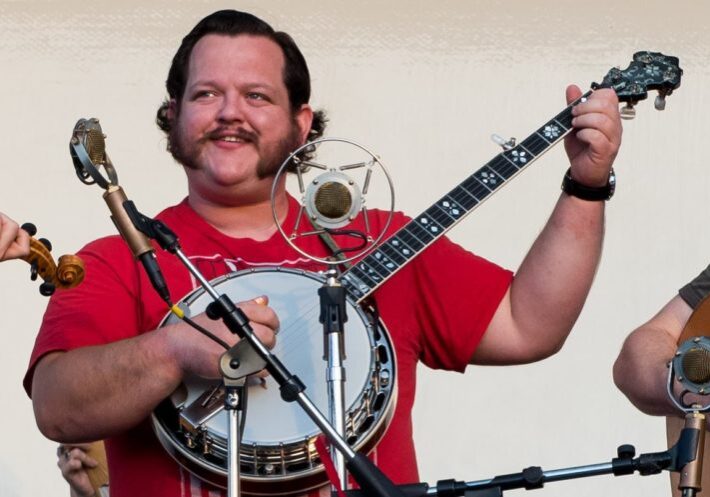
423	230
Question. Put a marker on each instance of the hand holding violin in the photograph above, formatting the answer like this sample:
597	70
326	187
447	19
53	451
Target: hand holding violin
67	272
17	243
14	242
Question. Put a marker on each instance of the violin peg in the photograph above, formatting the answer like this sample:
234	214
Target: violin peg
29	228
46	243
46	289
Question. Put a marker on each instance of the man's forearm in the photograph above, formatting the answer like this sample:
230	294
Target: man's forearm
553	281
93	392
640	371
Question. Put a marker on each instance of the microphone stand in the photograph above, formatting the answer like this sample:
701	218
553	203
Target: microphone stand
368	476
535	477
333	315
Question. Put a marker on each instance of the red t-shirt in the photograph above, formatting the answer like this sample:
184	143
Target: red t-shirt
436	309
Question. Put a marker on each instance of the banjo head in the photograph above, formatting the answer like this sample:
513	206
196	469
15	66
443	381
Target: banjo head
277	452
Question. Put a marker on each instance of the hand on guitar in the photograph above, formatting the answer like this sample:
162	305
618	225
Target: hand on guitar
198	355
14	242
73	462
593	145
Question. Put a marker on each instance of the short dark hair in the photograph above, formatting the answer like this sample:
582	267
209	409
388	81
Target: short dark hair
297	78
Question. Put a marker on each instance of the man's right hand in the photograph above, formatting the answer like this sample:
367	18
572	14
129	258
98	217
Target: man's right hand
197	354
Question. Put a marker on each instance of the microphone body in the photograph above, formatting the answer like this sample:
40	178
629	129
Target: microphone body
88	151
138	243
691	366
691	474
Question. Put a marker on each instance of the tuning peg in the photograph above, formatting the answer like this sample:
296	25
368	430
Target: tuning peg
660	102
627	111
508	144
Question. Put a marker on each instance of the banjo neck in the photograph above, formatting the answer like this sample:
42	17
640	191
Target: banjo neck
647	71
409	241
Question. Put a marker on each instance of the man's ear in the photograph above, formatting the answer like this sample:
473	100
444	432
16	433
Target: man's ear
304	120
171	111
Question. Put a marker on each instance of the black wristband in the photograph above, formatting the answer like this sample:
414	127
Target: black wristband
571	187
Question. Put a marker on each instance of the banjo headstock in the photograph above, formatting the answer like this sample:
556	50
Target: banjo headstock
648	71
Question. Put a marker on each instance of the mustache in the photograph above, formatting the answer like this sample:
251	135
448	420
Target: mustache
239	133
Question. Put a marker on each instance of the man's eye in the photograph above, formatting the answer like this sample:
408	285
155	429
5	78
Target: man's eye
205	94
256	96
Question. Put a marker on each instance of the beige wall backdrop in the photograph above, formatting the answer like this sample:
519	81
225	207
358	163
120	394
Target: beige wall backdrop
424	84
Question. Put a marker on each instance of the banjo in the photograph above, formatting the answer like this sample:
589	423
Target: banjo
277	453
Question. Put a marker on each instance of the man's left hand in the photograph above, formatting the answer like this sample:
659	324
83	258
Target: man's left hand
596	137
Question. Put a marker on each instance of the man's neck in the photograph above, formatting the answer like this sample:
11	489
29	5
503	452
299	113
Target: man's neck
253	220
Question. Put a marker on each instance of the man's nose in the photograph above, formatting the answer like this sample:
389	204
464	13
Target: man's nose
232	108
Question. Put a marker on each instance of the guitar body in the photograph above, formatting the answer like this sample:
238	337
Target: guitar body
98	476
698	325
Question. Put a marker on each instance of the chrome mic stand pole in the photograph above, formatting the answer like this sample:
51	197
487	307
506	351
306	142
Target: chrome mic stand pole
333	317
233	404
235	365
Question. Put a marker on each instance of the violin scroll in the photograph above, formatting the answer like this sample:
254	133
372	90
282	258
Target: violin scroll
67	273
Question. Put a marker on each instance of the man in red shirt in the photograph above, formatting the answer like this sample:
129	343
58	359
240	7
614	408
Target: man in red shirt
237	105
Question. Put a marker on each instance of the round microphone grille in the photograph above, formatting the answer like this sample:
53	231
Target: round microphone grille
95	146
333	200
696	365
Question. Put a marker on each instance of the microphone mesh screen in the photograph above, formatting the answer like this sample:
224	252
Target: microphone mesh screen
333	200
696	365
95	146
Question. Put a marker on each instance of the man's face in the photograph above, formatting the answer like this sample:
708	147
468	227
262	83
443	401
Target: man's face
234	124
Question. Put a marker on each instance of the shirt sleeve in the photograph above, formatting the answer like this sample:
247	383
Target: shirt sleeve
695	291
459	294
